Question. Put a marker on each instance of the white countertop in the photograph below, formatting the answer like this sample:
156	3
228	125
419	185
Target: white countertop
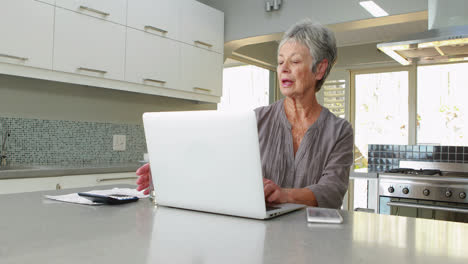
363	173
36	230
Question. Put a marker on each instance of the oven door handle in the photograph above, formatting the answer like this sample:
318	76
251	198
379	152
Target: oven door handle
431	207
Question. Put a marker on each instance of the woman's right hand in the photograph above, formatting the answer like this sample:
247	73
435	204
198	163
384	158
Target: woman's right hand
143	180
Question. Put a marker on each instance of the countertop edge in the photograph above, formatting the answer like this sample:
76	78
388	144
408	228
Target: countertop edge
363	175
55	172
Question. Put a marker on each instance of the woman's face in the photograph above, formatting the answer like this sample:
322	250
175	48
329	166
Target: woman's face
295	70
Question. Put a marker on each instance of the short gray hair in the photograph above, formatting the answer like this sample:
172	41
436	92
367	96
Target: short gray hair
320	41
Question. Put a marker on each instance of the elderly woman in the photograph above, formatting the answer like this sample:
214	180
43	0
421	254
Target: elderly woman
306	151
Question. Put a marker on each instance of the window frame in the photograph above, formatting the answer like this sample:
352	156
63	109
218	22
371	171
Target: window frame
412	96
412	90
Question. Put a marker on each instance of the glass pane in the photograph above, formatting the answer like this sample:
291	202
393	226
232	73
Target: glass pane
381	111
442	108
244	87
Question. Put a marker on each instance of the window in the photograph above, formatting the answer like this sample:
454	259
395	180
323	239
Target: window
381	111
245	87
334	96
442	111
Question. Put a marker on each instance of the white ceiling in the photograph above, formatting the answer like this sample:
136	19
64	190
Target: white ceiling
348	34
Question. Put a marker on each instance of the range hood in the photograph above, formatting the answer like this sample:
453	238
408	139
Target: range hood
445	41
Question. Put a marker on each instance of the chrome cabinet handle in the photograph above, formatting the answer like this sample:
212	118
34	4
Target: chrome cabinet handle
92	70
202	89
154	80
116	179
94	10
156	29
431	207
13	57
203	43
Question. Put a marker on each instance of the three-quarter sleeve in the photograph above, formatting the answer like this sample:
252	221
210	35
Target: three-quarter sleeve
333	183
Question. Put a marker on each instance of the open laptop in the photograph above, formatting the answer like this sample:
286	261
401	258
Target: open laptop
208	161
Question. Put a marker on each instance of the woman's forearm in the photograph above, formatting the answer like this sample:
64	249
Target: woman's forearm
301	196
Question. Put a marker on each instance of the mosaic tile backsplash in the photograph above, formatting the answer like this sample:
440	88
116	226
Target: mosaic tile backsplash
386	157
36	141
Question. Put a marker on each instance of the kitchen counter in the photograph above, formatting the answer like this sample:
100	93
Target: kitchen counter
363	173
37	230
62	170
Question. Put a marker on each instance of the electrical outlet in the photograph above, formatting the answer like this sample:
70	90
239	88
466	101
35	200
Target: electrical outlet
119	143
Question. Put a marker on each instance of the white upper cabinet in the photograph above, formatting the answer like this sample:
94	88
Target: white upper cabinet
202	70
52	2
152	60
87	45
110	10
169	48
26	34
201	25
157	17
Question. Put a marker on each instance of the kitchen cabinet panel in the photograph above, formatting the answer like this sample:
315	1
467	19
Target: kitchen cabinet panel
65	182
87	45
201	25
110	10
52	2
152	60
157	17
202	70
29	185
27	34
84	42
90	180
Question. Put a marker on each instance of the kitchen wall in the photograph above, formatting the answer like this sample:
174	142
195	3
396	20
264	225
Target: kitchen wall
53	122
386	157
39	99
62	142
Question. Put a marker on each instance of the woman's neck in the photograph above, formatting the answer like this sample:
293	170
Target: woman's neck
302	109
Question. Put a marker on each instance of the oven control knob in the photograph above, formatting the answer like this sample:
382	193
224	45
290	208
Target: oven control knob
462	195
405	190
391	189
448	194
426	192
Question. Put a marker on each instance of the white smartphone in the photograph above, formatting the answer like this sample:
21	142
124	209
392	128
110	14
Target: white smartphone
323	215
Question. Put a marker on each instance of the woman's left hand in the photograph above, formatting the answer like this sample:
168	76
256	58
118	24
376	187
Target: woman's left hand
274	193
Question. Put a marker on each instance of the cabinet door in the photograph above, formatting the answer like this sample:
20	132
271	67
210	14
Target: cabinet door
52	2
111	10
201	70
152	60
26	30
201	25
29	185
87	45
154	16
90	180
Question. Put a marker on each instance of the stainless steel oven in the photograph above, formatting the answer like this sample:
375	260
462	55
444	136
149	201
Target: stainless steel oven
421	190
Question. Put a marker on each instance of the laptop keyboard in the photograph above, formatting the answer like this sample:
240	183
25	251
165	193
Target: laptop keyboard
271	208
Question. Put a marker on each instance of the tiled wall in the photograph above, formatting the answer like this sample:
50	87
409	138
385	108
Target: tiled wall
35	141
385	157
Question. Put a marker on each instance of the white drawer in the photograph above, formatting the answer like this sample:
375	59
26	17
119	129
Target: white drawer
202	70
152	60
157	17
111	10
27	34
87	45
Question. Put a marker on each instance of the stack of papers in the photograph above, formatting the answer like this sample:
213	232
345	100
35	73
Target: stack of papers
75	198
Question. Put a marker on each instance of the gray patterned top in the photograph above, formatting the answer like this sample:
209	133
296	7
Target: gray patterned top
322	162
